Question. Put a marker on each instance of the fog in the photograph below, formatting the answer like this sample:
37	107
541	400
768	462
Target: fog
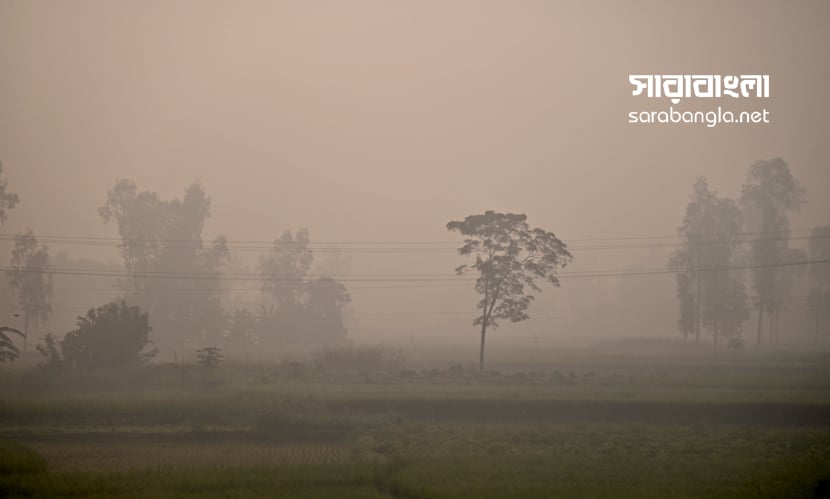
438	249
373	124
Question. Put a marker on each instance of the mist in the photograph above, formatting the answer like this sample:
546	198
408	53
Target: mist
275	179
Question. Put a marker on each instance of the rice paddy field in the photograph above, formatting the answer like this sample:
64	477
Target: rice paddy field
580	423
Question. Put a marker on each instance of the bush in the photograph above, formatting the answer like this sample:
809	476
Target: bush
349	357
111	336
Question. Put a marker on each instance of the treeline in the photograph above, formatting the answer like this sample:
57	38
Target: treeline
179	281
736	257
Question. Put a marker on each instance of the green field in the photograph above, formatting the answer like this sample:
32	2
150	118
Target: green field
582	423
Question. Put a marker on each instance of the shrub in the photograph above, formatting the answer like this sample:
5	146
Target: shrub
114	335
7	349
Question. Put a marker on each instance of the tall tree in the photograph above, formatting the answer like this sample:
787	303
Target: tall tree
30	278
769	193
679	264
509	256
8	200
819	297
711	293
173	274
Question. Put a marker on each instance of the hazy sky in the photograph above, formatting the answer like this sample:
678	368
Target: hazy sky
381	121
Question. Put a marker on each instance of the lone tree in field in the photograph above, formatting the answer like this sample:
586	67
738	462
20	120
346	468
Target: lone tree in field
509	255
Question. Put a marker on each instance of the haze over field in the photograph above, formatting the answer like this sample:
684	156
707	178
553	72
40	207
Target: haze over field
424	249
373	124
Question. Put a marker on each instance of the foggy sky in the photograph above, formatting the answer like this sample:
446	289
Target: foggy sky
382	121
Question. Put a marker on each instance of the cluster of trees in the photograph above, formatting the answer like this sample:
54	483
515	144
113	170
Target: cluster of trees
178	279
298	308
724	240
174	281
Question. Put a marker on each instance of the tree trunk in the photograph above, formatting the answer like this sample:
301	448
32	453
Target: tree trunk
771	326
481	352
697	307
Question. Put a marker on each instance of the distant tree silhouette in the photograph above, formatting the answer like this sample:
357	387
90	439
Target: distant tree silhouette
303	310
711	293
8	200
285	267
163	250
680	265
509	256
768	195
30	279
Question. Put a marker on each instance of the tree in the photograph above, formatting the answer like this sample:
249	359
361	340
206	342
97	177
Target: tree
112	336
302	309
509	256
31	281
768	195
7	349
711	293
324	306
8	200
679	264
164	253
285	267
819	296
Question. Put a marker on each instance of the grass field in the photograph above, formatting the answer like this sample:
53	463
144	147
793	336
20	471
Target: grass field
583	424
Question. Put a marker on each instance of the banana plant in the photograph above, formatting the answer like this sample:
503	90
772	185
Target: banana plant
7	349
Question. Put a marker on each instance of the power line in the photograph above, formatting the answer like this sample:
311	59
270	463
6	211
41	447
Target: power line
399	246
379	278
